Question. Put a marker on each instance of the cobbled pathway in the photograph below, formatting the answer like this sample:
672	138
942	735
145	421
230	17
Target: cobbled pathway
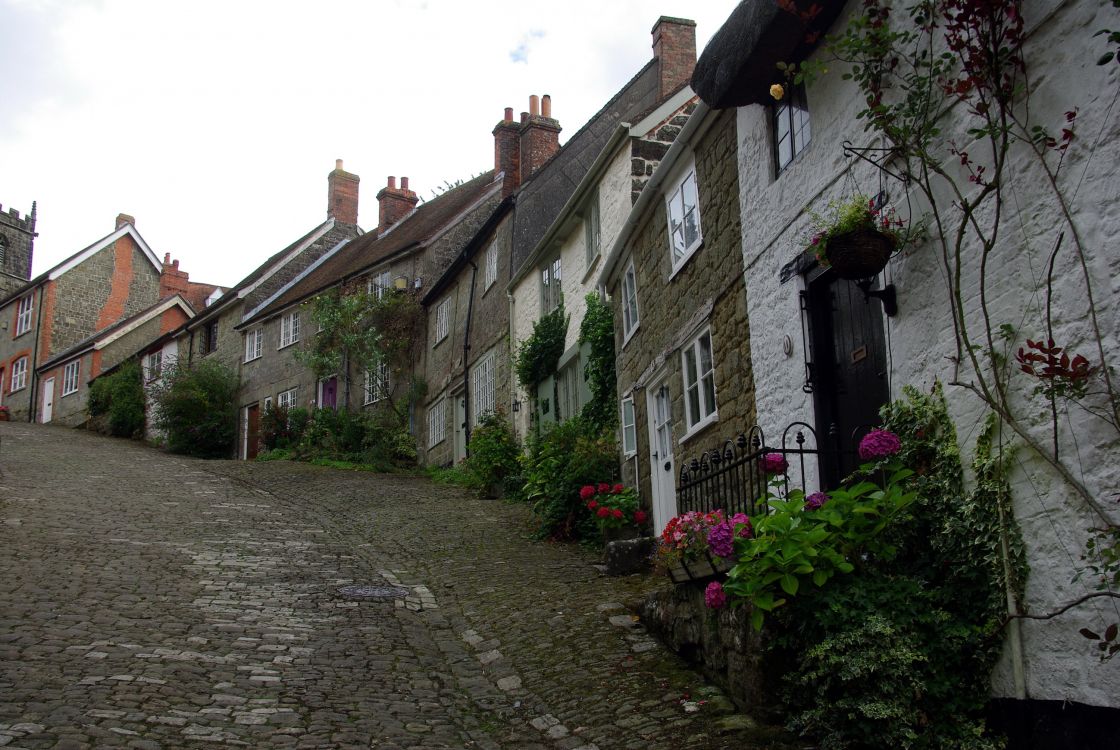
153	601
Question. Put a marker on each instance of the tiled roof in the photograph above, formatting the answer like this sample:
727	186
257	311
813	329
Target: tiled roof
426	221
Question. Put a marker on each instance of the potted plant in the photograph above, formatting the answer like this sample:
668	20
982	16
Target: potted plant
5	415
615	509
698	546
855	237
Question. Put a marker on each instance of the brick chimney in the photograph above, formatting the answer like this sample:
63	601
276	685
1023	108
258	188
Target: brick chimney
342	195
674	47
540	135
171	279
123	219
507	152
394	203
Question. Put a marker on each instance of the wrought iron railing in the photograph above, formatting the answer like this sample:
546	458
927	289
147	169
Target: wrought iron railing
731	478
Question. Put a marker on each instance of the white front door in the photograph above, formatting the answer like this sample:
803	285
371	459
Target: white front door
48	400
662	469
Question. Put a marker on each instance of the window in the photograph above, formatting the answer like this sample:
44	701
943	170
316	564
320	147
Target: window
377	382
567	390
19	375
267	403
23	314
683	211
699	381
443	320
379	284
629	301
153	366
254	343
210	338
436	423
629	434
289	329
3	251
287	399
551	294
70	377
593	237
484	387
791	126
490	272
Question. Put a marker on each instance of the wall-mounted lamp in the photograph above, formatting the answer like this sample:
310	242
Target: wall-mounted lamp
886	295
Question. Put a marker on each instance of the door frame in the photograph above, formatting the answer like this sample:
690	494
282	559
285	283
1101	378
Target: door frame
46	414
663	482
458	425
245	428
319	388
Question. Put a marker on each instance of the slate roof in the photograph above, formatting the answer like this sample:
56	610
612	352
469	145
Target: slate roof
540	199
426	221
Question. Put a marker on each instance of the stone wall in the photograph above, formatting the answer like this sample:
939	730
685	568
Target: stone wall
18	235
706	291
69	410
1057	662
12	348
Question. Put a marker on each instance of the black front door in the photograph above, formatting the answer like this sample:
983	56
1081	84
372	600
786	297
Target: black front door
848	371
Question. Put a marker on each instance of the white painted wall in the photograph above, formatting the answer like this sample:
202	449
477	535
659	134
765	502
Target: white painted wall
1059	663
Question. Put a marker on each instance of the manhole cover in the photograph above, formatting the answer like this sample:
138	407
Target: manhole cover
361	591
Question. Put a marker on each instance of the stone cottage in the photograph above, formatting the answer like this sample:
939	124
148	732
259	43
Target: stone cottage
674	276
574	207
829	352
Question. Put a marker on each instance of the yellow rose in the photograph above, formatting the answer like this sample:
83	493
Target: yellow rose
777	91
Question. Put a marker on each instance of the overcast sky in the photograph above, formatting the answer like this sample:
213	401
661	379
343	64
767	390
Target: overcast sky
215	124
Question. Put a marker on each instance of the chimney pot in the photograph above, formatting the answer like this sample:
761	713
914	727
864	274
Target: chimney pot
175	264
123	219
524	117
539	136
509	114
404	183
546	106
393	204
338	163
392	182
166	258
534	105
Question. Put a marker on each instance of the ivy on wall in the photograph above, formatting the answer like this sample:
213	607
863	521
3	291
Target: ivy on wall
597	330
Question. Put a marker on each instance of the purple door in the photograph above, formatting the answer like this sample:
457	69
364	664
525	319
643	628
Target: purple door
329	388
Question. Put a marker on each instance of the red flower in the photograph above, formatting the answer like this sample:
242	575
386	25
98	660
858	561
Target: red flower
603	512
617	489
617	513
586	492
604	488
593	505
640	517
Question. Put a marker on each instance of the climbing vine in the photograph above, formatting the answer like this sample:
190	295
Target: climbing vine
539	354
597	331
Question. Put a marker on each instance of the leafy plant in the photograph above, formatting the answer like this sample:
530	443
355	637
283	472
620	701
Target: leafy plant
612	506
597	330
493	453
116	402
196	406
856	213
539	354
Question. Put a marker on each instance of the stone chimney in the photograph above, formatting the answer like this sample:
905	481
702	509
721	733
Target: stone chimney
394	203
123	219
507	152
540	135
674	47
342	195
171	279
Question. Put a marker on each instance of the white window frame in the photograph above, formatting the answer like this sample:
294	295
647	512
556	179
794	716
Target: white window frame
568	390
792	114
437	423
379	284
443	320
19	375
23	314
593	229
287	399
482	380
552	286
703	383
254	344
629	428
630	317
70	375
289	329
378	383
152	370
675	200
490	267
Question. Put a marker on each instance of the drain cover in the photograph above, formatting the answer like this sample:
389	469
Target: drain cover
362	591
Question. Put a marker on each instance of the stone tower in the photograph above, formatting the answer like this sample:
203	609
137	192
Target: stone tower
17	243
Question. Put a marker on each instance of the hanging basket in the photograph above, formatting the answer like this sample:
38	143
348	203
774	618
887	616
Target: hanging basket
706	568
861	254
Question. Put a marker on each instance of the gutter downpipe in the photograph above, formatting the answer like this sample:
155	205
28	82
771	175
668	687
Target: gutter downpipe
35	354
466	364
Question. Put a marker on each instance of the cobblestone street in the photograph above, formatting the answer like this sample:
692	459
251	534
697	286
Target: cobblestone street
153	601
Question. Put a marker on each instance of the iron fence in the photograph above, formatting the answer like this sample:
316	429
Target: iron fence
732	479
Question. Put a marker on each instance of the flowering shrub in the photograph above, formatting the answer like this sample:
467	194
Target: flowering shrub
773	463
714	596
879	444
685	537
612	506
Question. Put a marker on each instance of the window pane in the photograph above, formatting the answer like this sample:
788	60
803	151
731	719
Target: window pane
705	344
688	193
709	394
679	244
689	367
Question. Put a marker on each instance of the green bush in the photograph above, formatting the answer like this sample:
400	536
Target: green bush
374	440
494	453
196	406
564	459
540	353
116	402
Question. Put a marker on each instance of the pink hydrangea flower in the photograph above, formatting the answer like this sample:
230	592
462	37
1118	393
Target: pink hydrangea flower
773	463
721	541
815	501
879	444
714	596
742	522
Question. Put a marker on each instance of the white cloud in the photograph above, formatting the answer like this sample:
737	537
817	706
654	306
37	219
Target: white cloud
216	123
